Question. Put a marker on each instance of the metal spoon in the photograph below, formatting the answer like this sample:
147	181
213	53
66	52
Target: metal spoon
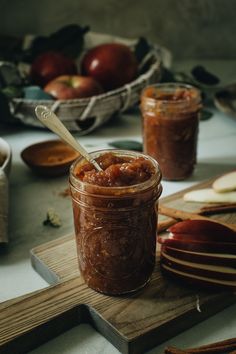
51	121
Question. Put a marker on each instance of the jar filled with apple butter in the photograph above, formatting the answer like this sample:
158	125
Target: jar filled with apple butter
115	219
170	115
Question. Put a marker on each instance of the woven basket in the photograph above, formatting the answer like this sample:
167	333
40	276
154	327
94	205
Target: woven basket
85	115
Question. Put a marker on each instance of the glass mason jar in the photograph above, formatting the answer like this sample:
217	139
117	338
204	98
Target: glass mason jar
170	115
115	229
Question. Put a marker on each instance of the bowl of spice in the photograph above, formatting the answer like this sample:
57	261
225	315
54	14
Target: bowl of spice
49	158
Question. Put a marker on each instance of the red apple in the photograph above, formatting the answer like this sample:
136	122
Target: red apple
50	65
67	87
111	64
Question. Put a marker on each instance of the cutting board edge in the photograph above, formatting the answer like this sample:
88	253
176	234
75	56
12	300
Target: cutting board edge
134	345
187	320
48	275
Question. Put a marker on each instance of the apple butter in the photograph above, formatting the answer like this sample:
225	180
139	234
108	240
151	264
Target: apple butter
115	219
170	127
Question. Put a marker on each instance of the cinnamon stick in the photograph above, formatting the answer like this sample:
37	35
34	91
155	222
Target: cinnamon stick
184	215
218	209
174	350
163	225
225	346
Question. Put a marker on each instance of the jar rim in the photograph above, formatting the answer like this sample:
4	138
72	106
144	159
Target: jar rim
83	186
169	87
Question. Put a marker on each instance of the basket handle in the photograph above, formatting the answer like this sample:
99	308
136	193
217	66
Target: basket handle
88	108
86	111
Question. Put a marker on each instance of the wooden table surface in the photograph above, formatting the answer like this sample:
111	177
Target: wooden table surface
31	196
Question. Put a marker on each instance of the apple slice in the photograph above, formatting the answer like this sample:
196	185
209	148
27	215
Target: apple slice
199	280
209	195
206	270
198	246
227	260
204	230
217	238
225	183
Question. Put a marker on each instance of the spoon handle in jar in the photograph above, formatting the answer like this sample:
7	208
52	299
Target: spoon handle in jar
51	121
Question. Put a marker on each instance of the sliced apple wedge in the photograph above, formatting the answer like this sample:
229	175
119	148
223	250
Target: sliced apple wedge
209	195
198	246
221	259
213	237
225	183
200	251
206	270
205	230
199	280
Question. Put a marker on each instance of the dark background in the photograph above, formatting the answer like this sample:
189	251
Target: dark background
189	28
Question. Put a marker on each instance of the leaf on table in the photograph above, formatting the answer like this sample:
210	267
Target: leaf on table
144	55
141	49
167	75
203	76
127	145
52	218
12	91
180	76
205	114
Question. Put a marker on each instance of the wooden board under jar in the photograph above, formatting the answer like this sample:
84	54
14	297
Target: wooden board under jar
132	323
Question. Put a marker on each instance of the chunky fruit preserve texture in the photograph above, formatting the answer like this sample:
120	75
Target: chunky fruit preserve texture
170	131
177	95
173	144
116	227
117	171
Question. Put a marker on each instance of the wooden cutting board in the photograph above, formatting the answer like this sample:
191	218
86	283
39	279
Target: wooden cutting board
132	323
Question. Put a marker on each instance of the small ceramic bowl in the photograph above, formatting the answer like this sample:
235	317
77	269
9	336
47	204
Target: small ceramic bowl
225	100
49	158
5	156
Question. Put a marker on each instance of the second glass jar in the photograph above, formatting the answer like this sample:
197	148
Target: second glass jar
170	114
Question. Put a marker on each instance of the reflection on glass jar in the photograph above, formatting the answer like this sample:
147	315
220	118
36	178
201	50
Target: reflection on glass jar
116	226
170	114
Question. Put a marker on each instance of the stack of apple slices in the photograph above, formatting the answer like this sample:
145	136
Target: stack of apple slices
223	191
201	252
